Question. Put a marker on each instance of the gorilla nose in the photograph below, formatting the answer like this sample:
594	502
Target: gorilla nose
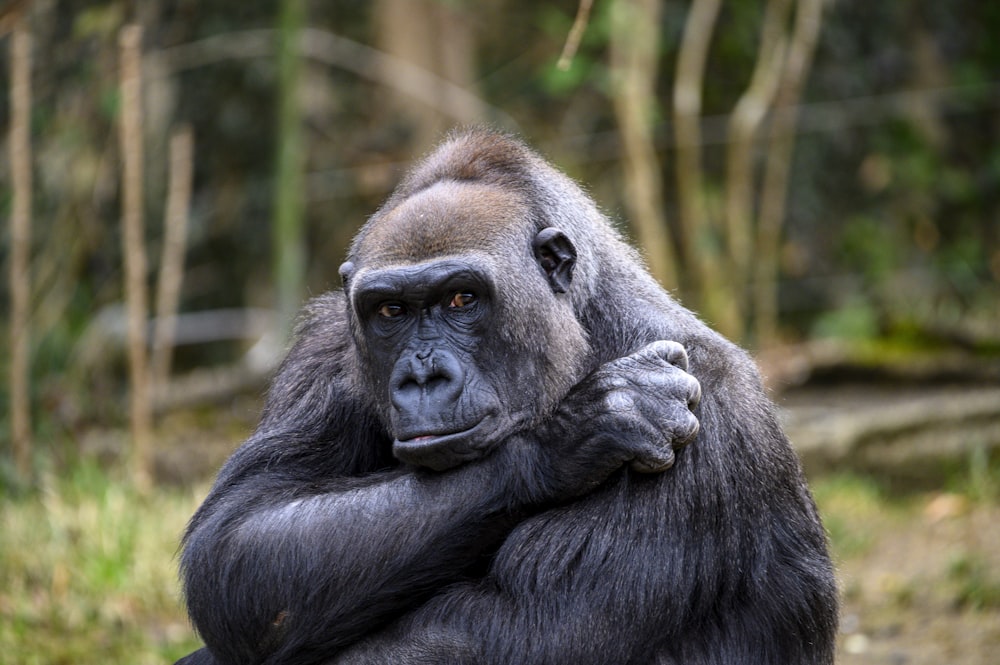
426	382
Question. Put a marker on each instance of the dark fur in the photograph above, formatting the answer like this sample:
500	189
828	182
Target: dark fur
316	546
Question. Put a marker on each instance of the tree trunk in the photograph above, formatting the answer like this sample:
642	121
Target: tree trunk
744	122
288	229
20	240
634	52
437	37
134	252
781	144
698	233
175	221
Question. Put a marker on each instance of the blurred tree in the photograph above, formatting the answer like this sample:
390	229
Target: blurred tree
774	191
744	122
19	143
696	239
728	250
289	231
134	252
437	37
634	54
168	283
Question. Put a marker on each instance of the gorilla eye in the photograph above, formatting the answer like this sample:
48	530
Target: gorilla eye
462	299
391	310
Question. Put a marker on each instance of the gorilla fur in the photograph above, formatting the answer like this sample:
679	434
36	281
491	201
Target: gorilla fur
560	536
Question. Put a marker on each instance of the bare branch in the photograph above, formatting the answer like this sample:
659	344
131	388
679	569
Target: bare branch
696	224
572	44
20	240
781	143
634	50
744	122
172	258
134	251
336	51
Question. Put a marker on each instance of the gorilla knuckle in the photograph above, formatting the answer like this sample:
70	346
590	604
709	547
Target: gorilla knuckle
619	402
672	352
653	460
693	392
687	430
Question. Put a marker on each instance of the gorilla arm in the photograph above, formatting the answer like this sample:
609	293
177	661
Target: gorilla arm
290	558
540	602
318	570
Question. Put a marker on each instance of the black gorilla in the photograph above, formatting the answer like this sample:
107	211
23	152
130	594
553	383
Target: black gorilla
461	458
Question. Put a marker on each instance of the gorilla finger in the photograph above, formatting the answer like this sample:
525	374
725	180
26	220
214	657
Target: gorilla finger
685	431
693	392
652	449
673	352
674	388
653	460
678	425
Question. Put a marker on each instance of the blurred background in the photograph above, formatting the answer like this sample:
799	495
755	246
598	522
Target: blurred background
819	179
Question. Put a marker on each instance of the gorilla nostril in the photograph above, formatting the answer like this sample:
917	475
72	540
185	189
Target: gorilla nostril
437	383
408	385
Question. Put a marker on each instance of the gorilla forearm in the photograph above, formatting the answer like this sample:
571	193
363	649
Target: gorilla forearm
314	553
313	570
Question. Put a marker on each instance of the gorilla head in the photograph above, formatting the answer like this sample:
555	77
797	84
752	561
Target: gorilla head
447	285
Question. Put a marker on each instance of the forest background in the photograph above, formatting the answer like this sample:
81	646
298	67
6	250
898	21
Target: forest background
819	179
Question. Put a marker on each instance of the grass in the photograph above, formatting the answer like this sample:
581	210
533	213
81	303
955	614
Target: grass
977	586
854	508
88	573
88	565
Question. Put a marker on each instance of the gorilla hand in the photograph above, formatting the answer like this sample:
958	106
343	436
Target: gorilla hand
651	403
636	409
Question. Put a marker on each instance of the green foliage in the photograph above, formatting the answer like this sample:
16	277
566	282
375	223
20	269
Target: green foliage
101	21
976	583
856	320
852	508
870	245
559	82
87	573
979	476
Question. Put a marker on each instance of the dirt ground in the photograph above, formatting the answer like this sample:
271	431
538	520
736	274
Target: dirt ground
925	587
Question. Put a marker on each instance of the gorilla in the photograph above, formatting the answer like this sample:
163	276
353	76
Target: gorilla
475	453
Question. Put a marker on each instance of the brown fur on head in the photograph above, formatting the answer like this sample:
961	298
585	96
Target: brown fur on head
447	218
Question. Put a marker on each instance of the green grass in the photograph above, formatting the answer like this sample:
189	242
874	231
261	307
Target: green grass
977	586
88	568
88	573
852	507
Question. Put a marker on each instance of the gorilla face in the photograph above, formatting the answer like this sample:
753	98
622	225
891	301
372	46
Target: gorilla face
426	327
458	344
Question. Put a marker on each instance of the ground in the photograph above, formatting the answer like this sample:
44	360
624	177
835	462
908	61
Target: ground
919	574
88	566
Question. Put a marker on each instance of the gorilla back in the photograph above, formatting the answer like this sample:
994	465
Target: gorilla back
476	453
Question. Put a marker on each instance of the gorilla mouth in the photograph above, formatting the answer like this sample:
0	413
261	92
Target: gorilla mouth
424	439
443	450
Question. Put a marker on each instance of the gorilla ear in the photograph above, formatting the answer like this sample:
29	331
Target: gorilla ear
346	271
556	255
